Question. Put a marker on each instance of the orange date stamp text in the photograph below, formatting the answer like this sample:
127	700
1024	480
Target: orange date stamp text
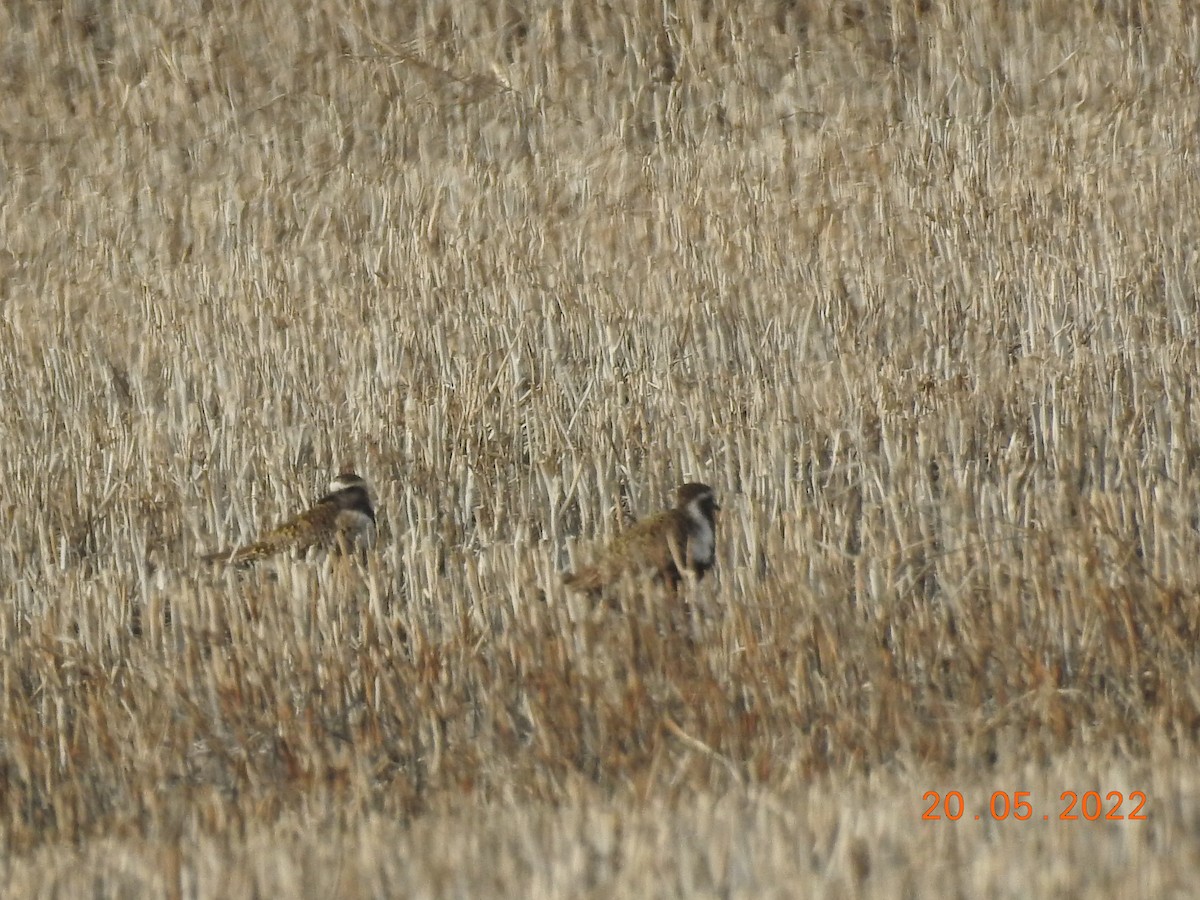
1072	806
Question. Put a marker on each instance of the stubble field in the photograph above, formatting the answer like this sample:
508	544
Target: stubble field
913	288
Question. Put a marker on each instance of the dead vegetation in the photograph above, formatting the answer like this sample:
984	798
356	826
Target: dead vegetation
913	288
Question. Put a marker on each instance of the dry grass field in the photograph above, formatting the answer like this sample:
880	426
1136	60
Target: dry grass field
913	286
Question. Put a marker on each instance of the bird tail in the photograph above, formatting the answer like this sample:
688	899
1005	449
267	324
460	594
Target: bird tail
588	580
234	556
219	557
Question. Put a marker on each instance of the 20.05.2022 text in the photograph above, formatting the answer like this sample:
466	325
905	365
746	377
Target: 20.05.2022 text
1002	806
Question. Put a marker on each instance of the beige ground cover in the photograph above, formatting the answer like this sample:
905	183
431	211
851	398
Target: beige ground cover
913	287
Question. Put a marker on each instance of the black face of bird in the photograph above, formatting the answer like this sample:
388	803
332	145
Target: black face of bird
698	501
352	492
346	481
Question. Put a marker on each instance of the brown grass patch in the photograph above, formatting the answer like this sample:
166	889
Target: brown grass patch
913	288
